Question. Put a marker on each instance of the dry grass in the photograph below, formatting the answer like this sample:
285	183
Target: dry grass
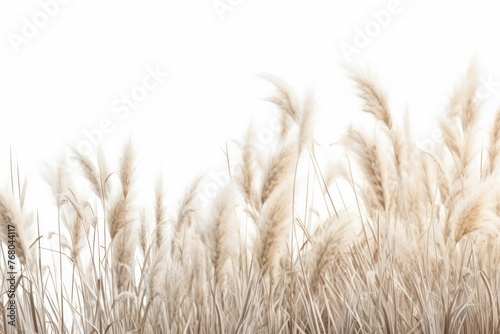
281	249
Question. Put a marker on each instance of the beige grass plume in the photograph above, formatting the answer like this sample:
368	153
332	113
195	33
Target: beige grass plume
287	102
376	103
372	166
273	229
11	218
375	100
459	125
123	219
160	212
279	169
127	168
474	212
187	212
225	230
494	149
90	173
332	237
248	174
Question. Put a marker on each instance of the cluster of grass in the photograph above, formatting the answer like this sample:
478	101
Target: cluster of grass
278	251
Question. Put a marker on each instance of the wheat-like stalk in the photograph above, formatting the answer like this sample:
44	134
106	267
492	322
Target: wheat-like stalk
78	223
144	232
475	212
287	102
279	169
127	168
494	150
332	238
273	227
306	123
225	235
90	172
160	213
375	100
157	274
374	170
247	180
185	217
11	219
124	246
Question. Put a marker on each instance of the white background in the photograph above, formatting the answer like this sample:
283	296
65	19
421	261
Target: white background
63	80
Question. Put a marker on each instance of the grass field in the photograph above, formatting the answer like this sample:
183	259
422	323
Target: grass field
388	239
